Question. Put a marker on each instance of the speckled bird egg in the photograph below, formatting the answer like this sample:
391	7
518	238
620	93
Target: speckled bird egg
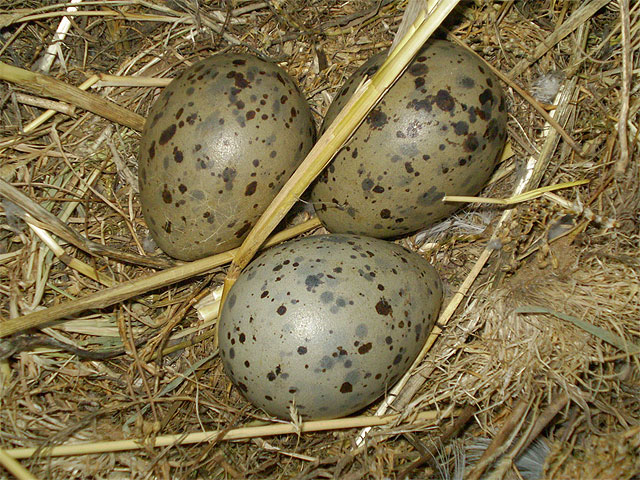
438	131
219	143
327	323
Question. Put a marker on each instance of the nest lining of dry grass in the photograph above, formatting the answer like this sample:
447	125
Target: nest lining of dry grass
508	378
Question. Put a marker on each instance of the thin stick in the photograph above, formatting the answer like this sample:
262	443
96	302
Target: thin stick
45	103
623	160
362	101
452	431
545	418
132	288
107	80
50	87
218	435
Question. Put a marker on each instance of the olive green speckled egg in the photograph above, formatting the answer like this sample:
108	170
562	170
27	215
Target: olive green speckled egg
327	323
438	131
219	143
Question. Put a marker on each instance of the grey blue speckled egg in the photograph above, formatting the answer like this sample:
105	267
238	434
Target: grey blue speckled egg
326	323
219	143
438	131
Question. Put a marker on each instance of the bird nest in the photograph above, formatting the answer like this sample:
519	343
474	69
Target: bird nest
108	368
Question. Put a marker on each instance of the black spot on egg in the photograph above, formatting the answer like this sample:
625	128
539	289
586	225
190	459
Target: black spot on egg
418	69
251	188
445	101
166	195
418	105
244	229
461	128
313	281
167	134
431	196
470	144
383	307
367	184
377	119
467	82
346	387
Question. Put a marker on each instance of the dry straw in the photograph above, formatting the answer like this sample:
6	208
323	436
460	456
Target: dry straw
220	435
581	376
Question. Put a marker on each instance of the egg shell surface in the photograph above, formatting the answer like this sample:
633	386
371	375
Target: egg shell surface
438	131
326	323
219	142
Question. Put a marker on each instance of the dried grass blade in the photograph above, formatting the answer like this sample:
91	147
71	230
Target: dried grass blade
72	262
523	197
628	347
363	100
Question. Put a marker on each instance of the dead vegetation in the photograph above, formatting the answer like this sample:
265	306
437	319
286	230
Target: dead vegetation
534	369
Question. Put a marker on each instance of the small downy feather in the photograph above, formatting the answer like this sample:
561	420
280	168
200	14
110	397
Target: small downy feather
546	86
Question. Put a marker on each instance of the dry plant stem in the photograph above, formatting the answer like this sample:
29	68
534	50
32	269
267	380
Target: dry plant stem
502	440
132	288
545	418
451	432
580	16
48	221
50	113
362	101
623	161
14	467
134	17
218	435
107	80
45	103
51	87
